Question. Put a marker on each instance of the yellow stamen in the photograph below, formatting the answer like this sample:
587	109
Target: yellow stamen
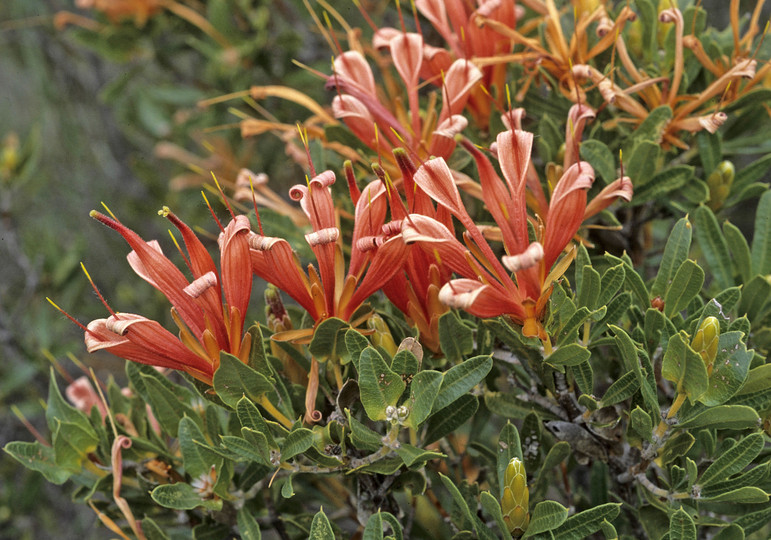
108	210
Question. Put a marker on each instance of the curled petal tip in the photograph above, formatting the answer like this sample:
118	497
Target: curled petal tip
527	259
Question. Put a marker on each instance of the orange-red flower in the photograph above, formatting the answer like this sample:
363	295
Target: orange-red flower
329	291
487	288
207	324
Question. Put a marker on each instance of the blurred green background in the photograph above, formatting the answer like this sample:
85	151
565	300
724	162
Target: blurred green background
80	121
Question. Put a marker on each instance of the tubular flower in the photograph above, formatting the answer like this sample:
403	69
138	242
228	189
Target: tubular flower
455	21
690	112
327	290
207	324
384	126
487	288
414	289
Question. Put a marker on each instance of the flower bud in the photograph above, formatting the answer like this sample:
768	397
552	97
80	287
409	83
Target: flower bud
705	341
382	336
719	182
516	497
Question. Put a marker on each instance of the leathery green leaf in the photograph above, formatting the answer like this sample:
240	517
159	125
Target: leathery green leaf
743	495
714	246
455	338
182	496
685	285
166	406
547	516
247	525
329	339
588	289
600	157
587	522
39	458
761	241
423	391
723	417
623	388
380	387
493	508
740	251
734	460
234	379
198	460
461	378
675	253
321	529
730	369
450	418
569	355
681	526
509	447
296	442
684	367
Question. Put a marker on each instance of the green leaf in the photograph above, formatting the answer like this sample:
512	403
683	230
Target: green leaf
39	458
612	280
585	523
196	458
583	375
405	363
588	289
234	380
363	437
600	158
412	454
167	407
641	423
676	446
250	417
740	251
259	441
569	355
182	496
297	441
355	343
743	495
629	352
633	281
509	447
374	528
547	516
686	284
713	245
623	388
652	128
675	254
493	508
731	532
380	387
321	529
681	526
667	181
734	460
258	360
247	525
246	450
642	162
152	530
761	241
329	339
756	299
423	391
684	367
754	521
461	378
457	498
448	420
455	338
723	417
710	152
730	369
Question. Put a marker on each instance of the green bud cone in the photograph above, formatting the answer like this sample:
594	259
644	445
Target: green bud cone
516	498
